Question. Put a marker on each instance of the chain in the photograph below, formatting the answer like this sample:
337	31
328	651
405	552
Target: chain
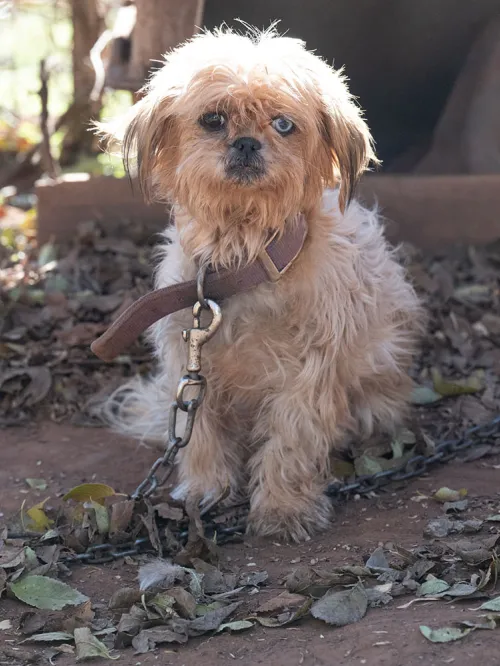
195	338
414	467
417	465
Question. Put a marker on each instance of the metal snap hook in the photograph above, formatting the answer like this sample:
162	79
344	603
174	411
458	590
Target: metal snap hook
197	336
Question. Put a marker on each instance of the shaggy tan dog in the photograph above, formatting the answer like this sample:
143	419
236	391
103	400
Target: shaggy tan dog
242	134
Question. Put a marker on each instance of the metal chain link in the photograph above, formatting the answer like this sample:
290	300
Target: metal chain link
417	465
195	338
414	467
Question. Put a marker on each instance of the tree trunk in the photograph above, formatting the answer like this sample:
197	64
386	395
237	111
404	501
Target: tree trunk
88	24
160	25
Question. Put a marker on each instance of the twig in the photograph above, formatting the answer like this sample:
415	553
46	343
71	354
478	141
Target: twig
48	161
98	65
11	174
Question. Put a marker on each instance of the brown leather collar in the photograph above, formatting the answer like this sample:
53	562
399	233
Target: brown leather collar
276	258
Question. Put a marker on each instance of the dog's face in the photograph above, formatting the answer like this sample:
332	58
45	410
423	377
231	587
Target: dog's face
239	129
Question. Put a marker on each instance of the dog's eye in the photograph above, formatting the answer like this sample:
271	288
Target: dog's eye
213	121
283	125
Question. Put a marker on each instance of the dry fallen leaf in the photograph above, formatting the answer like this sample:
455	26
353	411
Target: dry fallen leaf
285	617
212	620
442	527
88	646
444	634
341	608
283	601
37	388
124	598
147	639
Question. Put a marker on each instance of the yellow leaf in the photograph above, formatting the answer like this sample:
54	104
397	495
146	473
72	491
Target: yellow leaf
88	492
29	221
448	495
40	522
449	387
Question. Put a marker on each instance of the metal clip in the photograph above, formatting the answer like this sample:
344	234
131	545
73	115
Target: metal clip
197	336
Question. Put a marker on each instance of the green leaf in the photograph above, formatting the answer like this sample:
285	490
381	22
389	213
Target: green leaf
432	586
101	516
367	464
88	492
237	625
422	395
461	589
37	484
203	609
341	608
163	604
398	444
371	464
47	254
473	294
491	605
88	646
445	634
50	637
46	593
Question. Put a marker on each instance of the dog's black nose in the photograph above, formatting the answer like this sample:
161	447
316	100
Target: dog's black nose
247	145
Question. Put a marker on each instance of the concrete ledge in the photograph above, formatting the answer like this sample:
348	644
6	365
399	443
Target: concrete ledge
75	198
426	210
432	211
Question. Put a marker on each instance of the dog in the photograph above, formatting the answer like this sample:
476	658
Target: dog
242	133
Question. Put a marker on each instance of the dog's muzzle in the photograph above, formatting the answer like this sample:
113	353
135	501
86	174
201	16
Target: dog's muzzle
244	162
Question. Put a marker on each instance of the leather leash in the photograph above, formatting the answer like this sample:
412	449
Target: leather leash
276	258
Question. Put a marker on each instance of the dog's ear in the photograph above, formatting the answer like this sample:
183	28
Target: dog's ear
145	136
347	145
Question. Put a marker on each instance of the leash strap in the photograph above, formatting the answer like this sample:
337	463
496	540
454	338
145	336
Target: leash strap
278	255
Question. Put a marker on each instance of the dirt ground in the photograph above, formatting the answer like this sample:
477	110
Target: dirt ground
389	636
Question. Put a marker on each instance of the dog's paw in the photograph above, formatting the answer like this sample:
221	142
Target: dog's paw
186	490
224	497
296	521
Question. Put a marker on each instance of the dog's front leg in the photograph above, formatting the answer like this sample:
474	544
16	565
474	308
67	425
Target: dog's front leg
210	465
288	472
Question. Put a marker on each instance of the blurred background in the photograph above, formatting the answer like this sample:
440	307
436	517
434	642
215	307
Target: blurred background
427	75
75	235
407	63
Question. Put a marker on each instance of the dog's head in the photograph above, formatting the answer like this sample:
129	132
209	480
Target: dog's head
241	129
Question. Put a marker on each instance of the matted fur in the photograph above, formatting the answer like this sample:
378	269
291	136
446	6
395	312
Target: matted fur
298	366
